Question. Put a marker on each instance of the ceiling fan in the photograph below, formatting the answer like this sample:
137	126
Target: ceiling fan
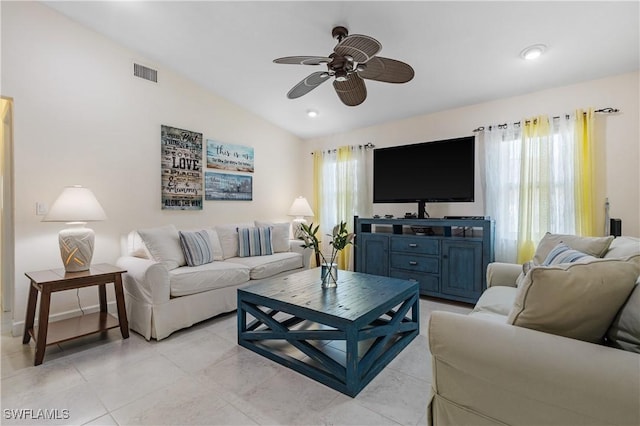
353	60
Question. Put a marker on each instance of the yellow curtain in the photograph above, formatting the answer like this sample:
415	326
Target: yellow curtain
535	176
340	191
584	136
345	201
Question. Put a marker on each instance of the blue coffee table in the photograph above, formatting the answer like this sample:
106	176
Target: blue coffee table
341	337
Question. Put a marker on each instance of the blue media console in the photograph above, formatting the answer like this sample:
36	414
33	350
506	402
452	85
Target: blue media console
448	258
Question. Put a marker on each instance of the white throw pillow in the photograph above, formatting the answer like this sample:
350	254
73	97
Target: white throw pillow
163	244
136	247
576	300
279	236
228	236
215	244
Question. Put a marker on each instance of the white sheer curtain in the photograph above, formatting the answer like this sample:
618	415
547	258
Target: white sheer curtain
502	149
342	190
530	182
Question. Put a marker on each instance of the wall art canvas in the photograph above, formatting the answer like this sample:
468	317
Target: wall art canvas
225	186
181	169
226	156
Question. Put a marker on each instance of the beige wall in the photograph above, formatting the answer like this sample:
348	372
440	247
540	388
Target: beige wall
618	141
81	117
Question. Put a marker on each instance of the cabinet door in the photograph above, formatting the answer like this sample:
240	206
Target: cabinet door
462	269
373	254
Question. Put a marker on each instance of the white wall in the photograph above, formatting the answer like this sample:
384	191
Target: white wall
618	142
81	117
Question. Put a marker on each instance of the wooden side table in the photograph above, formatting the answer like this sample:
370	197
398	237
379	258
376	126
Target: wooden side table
52	280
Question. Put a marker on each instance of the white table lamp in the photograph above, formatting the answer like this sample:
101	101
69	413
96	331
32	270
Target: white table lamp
76	206
300	208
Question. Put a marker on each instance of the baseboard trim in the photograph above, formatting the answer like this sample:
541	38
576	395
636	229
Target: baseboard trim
17	327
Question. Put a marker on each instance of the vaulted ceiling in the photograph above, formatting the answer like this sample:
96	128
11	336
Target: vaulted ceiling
462	52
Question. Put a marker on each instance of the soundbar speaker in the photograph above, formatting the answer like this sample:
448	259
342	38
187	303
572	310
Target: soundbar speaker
616	227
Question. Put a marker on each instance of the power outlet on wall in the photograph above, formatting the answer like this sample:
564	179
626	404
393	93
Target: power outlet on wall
41	209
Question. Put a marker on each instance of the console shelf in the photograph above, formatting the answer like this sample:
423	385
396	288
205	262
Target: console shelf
447	257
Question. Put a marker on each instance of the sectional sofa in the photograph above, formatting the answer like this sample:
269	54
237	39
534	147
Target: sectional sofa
164	293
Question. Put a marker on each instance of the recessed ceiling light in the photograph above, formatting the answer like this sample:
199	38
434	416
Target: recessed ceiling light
533	52
312	113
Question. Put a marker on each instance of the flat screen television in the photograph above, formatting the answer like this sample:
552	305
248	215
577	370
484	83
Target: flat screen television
430	172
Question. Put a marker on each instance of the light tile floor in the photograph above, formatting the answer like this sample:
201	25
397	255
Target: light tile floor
201	376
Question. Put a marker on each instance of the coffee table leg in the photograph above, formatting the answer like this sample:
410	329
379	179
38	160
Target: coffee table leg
31	312
43	325
351	379
242	319
122	311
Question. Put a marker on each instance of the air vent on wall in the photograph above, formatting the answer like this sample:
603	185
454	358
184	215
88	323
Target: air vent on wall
145	72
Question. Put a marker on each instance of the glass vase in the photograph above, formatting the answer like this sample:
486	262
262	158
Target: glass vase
329	275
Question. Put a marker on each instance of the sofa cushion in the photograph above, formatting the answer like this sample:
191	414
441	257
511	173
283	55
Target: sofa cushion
196	279
254	242
163	244
279	234
623	247
136	247
496	300
196	247
594	246
228	236
215	244
489	316
624	332
562	253
577	300
268	266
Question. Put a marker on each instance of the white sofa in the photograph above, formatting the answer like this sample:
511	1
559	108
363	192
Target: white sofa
163	294
488	371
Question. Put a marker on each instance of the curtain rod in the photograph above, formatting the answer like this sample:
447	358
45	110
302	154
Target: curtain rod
608	110
365	146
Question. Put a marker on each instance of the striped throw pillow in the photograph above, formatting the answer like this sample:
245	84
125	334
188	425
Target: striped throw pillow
254	241
562	253
196	247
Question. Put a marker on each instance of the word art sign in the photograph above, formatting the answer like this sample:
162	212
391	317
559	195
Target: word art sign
229	157
225	186
181	169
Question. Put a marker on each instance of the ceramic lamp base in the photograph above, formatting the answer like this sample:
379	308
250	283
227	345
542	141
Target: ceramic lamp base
76	248
296	227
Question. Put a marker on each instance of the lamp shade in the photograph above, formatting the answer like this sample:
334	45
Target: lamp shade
75	204
300	208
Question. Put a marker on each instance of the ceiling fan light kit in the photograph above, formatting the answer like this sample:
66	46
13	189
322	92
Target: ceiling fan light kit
353	60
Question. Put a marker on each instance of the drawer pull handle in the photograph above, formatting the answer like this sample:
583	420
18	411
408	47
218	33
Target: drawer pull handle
413	245
413	280
413	263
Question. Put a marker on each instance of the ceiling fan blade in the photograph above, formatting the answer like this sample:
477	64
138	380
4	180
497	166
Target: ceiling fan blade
351	92
387	70
308	84
303	60
360	47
